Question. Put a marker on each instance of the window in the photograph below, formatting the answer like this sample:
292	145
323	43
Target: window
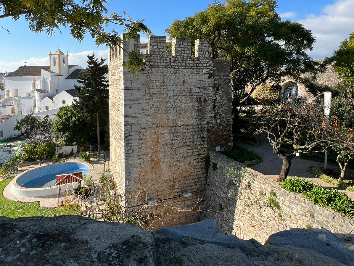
13	110
47	108
1	133
54	61
63	102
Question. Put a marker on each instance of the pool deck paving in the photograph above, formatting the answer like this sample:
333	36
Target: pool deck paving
98	168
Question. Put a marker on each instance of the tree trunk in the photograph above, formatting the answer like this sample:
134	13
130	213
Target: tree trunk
343	167
285	167
98	136
235	117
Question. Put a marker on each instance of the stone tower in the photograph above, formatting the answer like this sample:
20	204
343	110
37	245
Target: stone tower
163	122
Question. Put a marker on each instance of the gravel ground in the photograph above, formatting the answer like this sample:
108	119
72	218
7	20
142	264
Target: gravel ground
271	164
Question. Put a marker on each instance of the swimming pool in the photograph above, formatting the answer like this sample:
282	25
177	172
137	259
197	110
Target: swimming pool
40	182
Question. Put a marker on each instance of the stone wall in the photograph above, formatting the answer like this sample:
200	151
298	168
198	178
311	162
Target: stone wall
245	210
164	121
328	77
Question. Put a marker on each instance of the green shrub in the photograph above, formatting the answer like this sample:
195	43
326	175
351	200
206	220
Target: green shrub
85	155
331	198
11	164
351	188
56	158
298	185
319	174
242	155
38	151
274	203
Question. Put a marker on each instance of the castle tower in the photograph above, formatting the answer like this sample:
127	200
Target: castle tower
59	63
160	122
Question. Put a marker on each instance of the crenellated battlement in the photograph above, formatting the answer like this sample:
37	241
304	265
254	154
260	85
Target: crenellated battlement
157	47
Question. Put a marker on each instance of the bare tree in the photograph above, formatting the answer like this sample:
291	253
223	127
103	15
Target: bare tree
291	129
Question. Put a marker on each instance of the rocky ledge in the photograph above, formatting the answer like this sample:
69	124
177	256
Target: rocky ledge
74	240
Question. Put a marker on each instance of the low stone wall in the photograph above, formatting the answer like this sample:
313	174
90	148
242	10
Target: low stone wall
248	204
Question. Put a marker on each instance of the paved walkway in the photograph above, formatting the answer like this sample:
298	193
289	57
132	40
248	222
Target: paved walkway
98	167
271	164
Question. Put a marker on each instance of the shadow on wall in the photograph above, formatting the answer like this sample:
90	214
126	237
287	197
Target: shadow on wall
221	195
249	205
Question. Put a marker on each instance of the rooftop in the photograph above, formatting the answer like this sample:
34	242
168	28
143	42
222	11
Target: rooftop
76	74
31	71
72	92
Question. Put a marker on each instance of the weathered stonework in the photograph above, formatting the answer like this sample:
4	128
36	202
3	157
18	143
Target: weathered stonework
245	209
163	123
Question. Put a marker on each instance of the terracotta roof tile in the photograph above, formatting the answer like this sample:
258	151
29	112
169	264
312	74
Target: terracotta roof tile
28	71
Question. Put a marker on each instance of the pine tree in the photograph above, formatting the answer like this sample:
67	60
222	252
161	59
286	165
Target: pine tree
93	95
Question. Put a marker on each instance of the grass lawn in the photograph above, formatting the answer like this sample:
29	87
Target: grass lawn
14	209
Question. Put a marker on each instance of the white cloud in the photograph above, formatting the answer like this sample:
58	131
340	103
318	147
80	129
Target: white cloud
144	39
331	27
74	59
288	15
81	58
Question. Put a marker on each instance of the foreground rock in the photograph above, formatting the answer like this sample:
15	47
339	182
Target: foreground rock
81	241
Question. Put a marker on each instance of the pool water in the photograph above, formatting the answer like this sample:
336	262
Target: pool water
46	176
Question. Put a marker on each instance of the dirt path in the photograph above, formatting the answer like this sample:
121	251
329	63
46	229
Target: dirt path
271	164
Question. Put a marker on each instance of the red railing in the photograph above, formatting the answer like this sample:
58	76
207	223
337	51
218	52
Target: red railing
68	178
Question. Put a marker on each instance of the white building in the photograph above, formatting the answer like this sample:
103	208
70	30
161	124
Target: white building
2	93
38	90
2	75
32	89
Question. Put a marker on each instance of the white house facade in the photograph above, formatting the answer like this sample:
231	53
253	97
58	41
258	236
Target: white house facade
64	98
32	89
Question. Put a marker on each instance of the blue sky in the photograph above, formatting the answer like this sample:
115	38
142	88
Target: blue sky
331	21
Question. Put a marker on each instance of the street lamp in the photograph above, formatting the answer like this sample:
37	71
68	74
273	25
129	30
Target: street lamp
327	110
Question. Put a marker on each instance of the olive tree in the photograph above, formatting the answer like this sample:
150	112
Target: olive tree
291	129
260	46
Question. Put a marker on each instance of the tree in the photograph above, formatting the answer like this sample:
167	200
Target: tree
27	124
87	118
343	62
261	48
71	127
93	95
340	137
82	16
291	129
35	129
40	140
341	140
